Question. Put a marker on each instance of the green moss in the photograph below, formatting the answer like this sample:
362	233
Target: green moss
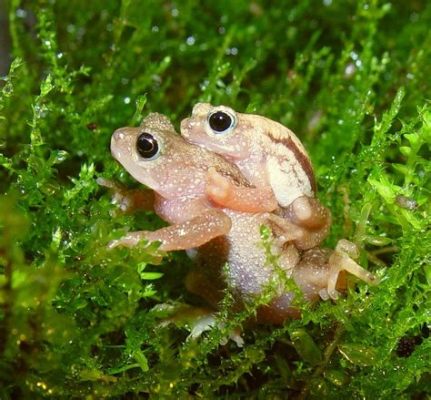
351	78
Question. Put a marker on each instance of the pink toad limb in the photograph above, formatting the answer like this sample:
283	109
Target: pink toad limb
188	234
342	259
305	219
321	272
225	193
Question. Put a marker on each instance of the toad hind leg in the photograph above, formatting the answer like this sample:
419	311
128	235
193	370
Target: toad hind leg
342	259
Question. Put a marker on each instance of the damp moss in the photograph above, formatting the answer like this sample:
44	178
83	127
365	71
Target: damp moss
351	78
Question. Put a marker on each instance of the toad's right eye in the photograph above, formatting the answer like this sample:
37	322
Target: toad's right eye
147	146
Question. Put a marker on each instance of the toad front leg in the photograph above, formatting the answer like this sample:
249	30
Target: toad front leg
225	193
185	235
305	219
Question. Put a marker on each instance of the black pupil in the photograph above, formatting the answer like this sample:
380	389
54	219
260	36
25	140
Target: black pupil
220	121
147	145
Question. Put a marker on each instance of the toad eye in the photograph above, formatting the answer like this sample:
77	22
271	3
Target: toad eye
221	122
147	146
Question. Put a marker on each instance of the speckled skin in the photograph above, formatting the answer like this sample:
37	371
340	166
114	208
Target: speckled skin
273	159
178	176
266	152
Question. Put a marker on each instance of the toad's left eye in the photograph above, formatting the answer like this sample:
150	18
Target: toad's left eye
147	146
221	121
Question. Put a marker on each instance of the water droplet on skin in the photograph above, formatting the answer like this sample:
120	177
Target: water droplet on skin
127	100
155	28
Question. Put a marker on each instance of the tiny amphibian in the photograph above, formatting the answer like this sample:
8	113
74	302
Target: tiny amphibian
273	159
176	171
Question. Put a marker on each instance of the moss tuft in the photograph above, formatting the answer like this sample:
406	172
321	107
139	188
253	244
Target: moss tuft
351	78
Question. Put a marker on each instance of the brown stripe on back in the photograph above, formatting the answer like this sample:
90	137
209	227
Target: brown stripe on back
299	155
